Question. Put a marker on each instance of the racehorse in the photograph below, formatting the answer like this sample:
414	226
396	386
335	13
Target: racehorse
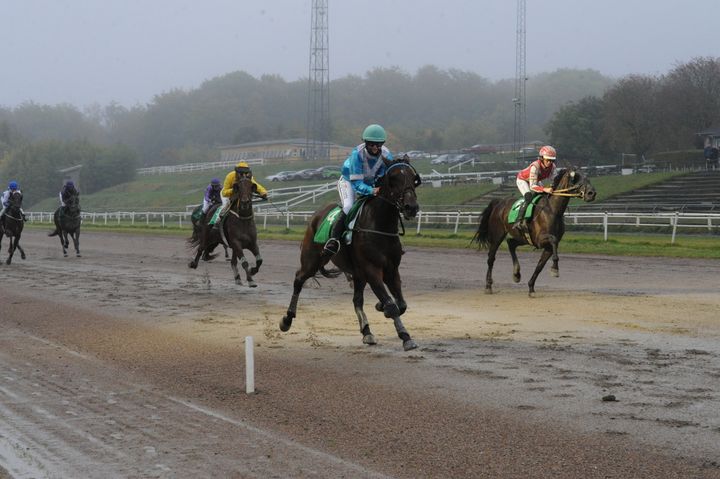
67	222
11	225
545	230
374	254
239	230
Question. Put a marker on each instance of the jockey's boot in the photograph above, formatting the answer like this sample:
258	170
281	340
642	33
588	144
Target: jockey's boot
332	245
520	221
218	222
2	211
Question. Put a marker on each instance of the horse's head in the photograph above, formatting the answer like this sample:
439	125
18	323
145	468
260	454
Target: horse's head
242	193
573	182
398	187
73	204
15	199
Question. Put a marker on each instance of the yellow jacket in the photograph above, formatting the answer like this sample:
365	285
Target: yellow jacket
230	180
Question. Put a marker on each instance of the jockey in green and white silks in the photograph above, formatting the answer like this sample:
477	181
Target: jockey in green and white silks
359	175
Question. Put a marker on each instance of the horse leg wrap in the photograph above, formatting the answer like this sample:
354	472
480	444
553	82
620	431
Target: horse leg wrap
244	263
362	320
391	309
401	331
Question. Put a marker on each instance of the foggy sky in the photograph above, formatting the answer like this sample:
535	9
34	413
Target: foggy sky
98	51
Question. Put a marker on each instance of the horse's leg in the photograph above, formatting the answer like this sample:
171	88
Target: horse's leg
19	248
258	259
62	243
390	306
227	256
233	265
76	242
394	284
512	247
492	251
11	250
547	252
306	271
358	301
555	268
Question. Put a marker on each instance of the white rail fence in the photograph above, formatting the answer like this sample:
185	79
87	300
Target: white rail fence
159	170
426	220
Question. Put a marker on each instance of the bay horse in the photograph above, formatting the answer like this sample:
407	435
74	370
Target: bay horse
545	229
67	223
238	229
374	254
11	225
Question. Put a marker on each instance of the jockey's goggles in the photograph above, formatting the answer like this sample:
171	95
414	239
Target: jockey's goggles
377	144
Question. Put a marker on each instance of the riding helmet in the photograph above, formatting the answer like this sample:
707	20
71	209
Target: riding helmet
374	133
13	185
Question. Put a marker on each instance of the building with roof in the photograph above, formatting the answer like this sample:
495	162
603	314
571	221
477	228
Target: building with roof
278	150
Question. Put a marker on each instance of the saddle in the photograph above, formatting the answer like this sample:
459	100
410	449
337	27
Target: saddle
514	209
325	229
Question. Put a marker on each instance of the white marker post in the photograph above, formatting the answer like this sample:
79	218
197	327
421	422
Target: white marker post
249	365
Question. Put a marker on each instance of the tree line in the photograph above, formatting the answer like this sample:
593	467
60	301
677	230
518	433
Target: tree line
587	115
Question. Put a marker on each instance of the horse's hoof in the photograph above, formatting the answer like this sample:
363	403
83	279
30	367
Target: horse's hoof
238	281
22	256
379	306
64	255
409	344
555	273
488	291
252	284
403	307
531	294
78	255
285	324
516	278
369	339
254	271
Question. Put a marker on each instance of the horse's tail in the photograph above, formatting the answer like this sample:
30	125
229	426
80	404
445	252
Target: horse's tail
330	273
54	233
482	233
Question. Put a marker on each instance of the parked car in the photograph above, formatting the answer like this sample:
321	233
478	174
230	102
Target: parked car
306	174
328	172
280	176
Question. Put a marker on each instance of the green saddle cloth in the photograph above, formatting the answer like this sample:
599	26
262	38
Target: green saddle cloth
514	209
323	232
197	213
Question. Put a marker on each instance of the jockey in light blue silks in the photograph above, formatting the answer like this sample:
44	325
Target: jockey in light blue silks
360	171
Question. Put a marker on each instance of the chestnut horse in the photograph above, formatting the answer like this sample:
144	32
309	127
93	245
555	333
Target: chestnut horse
238	229
545	229
11	225
374	254
67	222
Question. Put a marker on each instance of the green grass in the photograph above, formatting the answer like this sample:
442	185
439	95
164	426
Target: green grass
618	244
173	192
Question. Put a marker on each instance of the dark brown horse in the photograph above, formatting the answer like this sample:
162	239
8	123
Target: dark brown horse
545	229
67	222
11	225
238	229
196	219
374	254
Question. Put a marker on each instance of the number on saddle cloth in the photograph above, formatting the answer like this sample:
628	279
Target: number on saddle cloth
325	229
513	213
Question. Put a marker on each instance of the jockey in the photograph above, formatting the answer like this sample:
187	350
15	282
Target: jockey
360	171
67	191
529	180
242	169
5	199
212	195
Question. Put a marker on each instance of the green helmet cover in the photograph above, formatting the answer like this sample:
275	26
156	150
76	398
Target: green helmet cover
374	133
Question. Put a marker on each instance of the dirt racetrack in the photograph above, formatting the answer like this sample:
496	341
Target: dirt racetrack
125	363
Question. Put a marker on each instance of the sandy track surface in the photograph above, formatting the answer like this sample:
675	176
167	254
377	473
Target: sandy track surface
125	363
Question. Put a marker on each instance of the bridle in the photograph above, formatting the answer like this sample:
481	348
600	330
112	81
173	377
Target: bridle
239	202
396	198
574	191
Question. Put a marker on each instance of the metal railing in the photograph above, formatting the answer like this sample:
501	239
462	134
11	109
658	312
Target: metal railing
276	215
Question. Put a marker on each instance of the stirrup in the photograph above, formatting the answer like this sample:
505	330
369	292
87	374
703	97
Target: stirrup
332	246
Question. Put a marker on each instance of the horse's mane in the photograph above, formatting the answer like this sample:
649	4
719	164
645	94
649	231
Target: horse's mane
561	174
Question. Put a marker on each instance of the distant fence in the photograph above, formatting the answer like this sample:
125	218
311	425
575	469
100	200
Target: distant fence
159	170
426	220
